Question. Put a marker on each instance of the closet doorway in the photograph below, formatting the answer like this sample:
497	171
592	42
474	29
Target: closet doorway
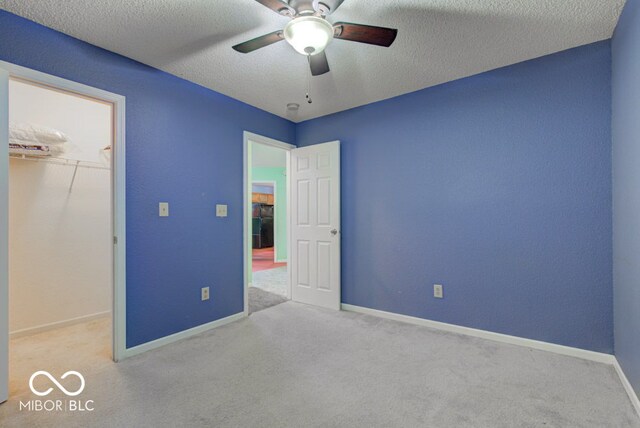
267	212
65	311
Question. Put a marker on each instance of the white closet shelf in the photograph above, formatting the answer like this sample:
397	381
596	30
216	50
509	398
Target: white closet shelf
62	161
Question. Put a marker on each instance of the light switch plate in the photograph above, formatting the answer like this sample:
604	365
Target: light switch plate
437	291
163	208
221	210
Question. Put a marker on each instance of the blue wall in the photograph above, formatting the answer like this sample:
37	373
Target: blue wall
497	186
626	191
184	146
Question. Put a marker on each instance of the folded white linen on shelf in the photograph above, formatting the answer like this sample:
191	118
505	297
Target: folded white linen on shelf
34	140
36	134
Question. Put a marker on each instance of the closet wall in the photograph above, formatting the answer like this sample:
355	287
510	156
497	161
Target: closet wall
59	240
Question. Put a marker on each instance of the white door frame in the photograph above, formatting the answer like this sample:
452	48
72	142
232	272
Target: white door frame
276	241
249	137
4	235
118	189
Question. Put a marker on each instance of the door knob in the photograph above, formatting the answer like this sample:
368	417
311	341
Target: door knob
334	232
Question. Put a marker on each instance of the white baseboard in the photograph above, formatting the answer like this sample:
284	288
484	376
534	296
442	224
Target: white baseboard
58	324
130	352
484	334
627	387
513	340
281	261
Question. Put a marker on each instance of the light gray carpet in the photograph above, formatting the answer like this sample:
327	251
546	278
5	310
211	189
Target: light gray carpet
260	299
299	366
272	280
84	346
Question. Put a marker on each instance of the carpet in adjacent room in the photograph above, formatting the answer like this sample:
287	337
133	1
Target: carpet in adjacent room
272	280
260	299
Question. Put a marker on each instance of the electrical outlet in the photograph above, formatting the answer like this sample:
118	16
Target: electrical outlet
204	293
437	291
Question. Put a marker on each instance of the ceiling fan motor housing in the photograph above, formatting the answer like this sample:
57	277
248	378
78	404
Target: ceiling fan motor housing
307	7
327	7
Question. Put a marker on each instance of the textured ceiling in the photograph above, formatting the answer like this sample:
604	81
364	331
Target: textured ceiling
438	41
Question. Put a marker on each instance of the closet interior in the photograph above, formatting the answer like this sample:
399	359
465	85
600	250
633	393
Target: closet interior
60	231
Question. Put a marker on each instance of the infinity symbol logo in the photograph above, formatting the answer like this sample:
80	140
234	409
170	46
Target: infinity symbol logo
52	379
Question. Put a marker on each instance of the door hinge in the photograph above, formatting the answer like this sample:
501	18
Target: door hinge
115	240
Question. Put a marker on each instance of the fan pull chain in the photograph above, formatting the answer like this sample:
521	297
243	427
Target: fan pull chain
308	96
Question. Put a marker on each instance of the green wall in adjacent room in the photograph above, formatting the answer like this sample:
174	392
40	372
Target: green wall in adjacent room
277	175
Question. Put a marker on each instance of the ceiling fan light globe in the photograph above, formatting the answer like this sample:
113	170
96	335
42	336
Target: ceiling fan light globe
308	35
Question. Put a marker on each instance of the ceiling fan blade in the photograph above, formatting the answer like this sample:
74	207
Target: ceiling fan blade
319	64
379	36
259	42
278	6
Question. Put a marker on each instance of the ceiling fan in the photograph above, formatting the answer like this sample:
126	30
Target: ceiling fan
309	32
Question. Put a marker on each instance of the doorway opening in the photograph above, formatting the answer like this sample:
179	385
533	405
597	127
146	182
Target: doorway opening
268	220
266	214
62	191
60	237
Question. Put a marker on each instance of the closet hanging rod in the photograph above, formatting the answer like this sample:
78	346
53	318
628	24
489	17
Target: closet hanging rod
61	161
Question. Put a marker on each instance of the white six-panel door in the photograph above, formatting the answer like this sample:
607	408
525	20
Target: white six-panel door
315	225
